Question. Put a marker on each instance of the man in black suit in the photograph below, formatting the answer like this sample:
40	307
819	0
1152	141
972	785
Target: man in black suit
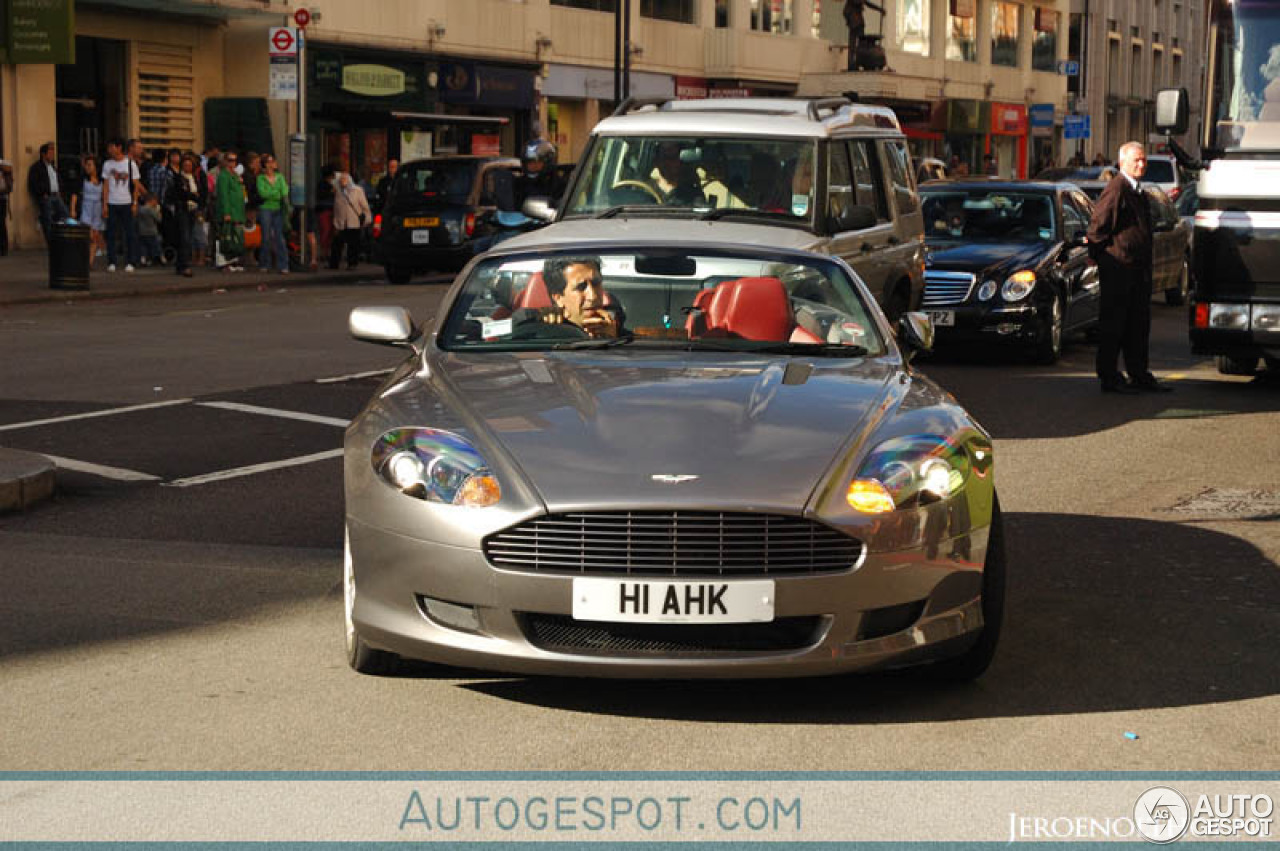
45	188
1120	243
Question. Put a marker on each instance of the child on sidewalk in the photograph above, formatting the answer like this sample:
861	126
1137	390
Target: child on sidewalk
149	231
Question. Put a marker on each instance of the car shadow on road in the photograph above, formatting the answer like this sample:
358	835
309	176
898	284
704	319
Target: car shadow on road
1065	400
1105	614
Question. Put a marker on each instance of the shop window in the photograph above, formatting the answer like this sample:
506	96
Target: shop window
165	95
591	5
1006	22
913	26
904	197
680	11
771	16
962	31
1044	47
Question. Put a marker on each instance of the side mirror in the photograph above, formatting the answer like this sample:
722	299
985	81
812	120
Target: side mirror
1172	111
386	326
915	330
855	217
539	208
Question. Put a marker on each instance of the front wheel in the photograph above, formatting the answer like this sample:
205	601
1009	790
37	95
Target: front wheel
974	662
1049	349
360	656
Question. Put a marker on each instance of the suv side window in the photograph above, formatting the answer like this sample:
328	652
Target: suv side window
839	186
868	181
904	198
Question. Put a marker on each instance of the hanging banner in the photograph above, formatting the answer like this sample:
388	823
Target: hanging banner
38	32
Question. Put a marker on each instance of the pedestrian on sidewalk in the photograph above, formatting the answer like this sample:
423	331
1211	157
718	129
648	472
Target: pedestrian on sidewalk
183	201
251	167
120	174
273	189
149	231
6	189
324	208
203	215
87	206
350	215
229	248
46	188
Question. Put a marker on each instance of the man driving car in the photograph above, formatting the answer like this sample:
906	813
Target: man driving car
576	287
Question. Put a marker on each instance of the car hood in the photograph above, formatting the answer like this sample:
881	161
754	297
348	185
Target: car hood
593	429
986	258
674	230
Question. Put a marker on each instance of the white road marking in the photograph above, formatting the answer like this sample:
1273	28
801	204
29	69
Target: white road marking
277	412
353	376
102	470
237	472
89	414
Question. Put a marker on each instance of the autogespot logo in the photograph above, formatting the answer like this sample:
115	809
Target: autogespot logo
1161	814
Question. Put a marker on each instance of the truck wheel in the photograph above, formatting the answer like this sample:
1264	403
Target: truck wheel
1228	365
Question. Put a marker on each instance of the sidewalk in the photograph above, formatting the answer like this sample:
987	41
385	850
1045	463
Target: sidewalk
24	279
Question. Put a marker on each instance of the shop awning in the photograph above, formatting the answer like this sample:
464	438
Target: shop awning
446	118
219	10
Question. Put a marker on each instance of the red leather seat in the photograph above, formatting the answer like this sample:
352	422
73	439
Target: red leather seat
534	294
746	308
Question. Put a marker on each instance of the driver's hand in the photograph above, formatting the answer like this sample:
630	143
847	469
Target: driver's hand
551	315
600	323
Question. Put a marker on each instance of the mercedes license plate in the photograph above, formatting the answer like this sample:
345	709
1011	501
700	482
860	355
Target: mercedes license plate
657	601
942	317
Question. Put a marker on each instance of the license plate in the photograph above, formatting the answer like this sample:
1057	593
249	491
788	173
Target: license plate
655	601
942	317
421	237
422	222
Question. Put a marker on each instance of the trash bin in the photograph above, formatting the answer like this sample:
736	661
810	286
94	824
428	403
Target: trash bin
68	256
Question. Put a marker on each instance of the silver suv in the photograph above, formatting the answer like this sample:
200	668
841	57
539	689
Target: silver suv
827	175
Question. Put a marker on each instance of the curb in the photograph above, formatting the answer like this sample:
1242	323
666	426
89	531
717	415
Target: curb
25	479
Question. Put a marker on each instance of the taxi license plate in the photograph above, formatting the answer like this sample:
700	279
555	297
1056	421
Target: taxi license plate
942	317
656	601
421	237
422	222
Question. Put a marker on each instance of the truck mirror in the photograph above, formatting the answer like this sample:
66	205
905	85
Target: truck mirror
1172	111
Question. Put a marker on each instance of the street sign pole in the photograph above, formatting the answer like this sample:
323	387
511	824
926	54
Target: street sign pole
302	132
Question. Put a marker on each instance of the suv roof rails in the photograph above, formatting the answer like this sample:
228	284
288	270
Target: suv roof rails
631	104
833	103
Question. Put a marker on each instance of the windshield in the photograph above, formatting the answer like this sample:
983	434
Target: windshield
768	177
443	181
1160	171
661	298
1246	74
1072	174
989	215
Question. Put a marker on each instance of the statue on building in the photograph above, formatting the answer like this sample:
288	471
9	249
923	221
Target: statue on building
865	52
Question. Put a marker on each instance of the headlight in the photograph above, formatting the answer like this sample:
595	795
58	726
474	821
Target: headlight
916	470
435	466
1018	285
986	291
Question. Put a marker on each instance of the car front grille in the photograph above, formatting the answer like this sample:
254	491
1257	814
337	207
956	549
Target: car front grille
673	543
946	287
563	634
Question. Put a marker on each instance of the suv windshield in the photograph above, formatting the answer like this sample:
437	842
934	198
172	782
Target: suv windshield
989	215
1160	171
442	181
758	176
661	298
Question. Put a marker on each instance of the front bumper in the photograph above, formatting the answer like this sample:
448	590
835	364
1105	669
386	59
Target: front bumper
1020	324
896	608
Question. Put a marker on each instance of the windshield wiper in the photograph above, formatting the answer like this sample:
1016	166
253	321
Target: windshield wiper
660	209
723	212
596	343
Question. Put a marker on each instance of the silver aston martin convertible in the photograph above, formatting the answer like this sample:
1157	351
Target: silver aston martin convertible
666	460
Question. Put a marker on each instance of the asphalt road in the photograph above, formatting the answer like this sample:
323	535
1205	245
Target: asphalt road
155	616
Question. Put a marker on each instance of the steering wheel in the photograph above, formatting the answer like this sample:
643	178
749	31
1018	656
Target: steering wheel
640	184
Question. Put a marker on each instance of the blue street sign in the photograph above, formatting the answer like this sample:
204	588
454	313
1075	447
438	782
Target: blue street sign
1041	114
1069	68
1075	127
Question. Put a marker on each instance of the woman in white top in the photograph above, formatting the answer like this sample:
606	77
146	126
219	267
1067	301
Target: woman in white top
86	205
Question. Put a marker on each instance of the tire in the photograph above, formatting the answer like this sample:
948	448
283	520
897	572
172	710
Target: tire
898	304
972	663
1228	365
396	275
1177	296
361	657
1049	349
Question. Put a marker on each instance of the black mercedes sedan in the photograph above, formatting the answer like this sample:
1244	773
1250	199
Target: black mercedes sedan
1007	263
443	211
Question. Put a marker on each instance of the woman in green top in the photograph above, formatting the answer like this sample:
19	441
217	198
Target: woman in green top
229	211
274	191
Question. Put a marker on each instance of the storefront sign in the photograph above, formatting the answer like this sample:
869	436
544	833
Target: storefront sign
489	85
372	80
738	92
1008	119
1041	118
962	116
486	144
415	144
691	88
38	32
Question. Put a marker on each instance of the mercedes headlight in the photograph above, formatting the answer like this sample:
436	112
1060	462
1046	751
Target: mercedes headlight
916	470
1018	285
435	466
987	290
